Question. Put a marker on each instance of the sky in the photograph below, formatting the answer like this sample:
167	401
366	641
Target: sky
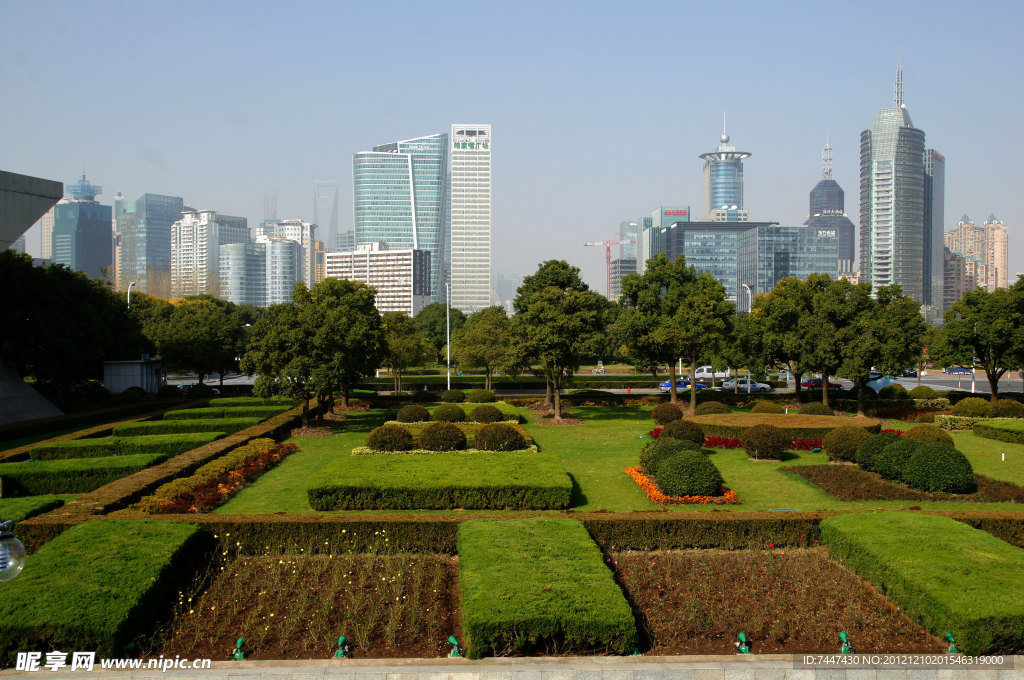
599	109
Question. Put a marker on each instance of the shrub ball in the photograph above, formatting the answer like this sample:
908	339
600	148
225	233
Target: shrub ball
712	408
689	473
890	461
816	408
685	430
929	433
972	407
666	413
449	413
765	442
453	396
424	397
923	392
768	407
841	443
872	446
442	436
660	450
486	414
389	438
895	391
413	413
1006	408
499	437
938	467
480	397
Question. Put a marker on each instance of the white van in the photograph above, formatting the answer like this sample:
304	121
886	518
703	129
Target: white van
705	373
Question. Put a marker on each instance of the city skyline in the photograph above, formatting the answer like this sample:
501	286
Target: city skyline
546	204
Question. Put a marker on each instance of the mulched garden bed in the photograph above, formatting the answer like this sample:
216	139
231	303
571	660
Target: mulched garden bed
786	601
851	483
296	606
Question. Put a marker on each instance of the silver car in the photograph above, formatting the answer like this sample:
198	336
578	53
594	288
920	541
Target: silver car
746	385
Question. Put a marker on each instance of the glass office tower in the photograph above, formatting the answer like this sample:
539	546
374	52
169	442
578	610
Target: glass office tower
145	250
723	183
82	238
934	229
828	213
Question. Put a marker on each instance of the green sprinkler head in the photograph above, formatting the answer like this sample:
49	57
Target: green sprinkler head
636	645
948	637
846	647
343	651
237	654
742	646
456	650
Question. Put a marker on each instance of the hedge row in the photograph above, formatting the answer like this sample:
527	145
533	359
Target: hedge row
956	422
706	530
510	412
228	425
99	586
538	585
30	428
468	429
243	411
170	444
367	451
1004	430
252	401
942	573
1006	526
72	475
17	509
796	426
507	480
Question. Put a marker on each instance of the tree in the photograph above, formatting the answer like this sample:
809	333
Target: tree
702	321
405	345
482	342
928	340
201	335
771	332
432	322
558	321
280	353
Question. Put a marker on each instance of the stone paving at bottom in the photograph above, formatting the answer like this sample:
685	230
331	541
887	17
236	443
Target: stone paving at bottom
753	667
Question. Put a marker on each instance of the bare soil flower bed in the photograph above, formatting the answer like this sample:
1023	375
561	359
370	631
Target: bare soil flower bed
786	601
851	483
296	606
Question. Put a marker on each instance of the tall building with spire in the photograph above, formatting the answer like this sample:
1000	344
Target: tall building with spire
81	236
723	183
828	213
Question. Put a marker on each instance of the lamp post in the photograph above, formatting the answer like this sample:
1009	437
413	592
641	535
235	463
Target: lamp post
750	298
130	294
12	552
448	329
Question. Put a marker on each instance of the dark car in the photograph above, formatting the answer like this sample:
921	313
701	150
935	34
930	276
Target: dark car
910	373
815	384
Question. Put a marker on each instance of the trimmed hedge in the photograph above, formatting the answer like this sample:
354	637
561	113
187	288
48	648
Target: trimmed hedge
480	397
816	408
389	437
486	413
710	408
939	467
797	426
956	422
972	407
17	509
929	433
894	391
252	401
499	437
923	392
94	447
729	531
689	473
469	429
442	436
685	430
1006	408
99	586
245	411
72	475
511	481
660	450
1001	430
842	443
890	461
453	396
942	573
509	412
229	425
872	446
449	413
538	585
767	407
765	442
664	414
413	413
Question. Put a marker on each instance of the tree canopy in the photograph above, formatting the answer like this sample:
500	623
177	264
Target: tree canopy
432	323
405	345
483	341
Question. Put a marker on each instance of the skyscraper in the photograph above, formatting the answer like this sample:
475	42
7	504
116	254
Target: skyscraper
470	265
400	199
828	213
892	200
934	228
325	208
988	244
243	273
284	268
82	238
723	183
146	243
195	250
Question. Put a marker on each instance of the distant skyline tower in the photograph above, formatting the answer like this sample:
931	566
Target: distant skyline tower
82	238
470	269
145	243
934	227
892	200
723	182
828	213
325	209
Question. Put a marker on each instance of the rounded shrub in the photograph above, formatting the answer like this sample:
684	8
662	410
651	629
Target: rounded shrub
413	413
443	437
480	397
389	438
894	391
660	450
689	473
937	467
453	396
168	392
768	407
923	392
666	413
930	434
424	397
1006	408
972	407
499	437
449	413
890	461
841	443
872	446
486	413
684	430
712	408
765	442
815	408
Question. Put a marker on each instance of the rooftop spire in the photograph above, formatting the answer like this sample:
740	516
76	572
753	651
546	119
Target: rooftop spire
826	162
899	83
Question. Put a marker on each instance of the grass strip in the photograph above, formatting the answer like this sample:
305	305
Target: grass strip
93	447
229	425
1004	430
71	475
241	411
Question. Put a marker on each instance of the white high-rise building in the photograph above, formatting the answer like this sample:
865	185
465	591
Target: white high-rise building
195	249
401	277
470	205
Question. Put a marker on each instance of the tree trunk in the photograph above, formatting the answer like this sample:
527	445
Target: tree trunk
993	383
796	381
556	390
222	378
487	378
920	370
862	387
344	397
824	387
305	412
548	399
672	384
693	384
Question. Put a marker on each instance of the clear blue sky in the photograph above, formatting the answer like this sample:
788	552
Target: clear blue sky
599	109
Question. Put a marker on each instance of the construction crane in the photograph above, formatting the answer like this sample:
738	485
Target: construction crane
608	259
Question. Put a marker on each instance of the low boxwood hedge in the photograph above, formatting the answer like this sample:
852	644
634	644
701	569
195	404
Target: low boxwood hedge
505	480
94	447
1008	430
538	585
942	573
17	509
508	411
797	426
244	411
229	425
72	475
956	422
99	586
469	429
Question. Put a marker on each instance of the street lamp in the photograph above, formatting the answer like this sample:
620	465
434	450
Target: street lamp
448	329
12	552
130	294
750	298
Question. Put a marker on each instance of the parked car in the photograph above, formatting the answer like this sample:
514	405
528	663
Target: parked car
815	384
910	373
707	373
681	384
746	385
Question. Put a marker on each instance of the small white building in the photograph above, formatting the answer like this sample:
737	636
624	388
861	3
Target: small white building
146	373
401	277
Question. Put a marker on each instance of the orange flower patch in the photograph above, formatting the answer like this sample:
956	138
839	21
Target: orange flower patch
728	496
